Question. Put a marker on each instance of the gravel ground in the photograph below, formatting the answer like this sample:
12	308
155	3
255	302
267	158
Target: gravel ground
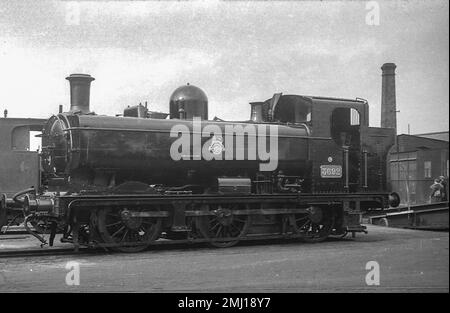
409	260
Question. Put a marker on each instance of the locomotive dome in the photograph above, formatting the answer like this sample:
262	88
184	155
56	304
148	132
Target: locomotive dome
188	101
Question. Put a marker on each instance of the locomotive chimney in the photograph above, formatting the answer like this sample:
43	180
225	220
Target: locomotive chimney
80	86
388	103
256	114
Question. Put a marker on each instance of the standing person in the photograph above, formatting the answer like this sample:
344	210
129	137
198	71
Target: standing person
436	191
444	184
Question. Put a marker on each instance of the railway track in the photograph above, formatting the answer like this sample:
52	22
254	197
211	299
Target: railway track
156	245
14	230
433	216
13	253
417	207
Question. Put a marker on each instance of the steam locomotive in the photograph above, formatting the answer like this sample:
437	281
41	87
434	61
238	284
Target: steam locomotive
302	167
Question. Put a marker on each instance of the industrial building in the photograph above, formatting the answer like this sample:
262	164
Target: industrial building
414	163
415	160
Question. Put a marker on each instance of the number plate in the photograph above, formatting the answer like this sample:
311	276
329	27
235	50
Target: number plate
330	171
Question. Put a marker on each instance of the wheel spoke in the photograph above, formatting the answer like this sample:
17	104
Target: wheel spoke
219	230
113	224
214	219
216	225
118	231
124	235
235	227
301	218
308	222
226	232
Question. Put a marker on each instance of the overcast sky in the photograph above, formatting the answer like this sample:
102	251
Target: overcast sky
236	51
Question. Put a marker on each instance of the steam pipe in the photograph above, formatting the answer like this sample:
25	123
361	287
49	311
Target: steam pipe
365	169
20	193
346	160
27	228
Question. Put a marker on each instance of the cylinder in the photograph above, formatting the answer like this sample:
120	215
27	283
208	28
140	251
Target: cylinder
80	86
37	205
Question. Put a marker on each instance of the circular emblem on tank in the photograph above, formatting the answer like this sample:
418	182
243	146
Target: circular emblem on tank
216	146
330	159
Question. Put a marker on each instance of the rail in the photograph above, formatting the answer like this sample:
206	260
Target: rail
433	216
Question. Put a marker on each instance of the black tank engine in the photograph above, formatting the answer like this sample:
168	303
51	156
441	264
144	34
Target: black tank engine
301	166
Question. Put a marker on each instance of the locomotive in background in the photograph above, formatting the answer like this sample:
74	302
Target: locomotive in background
114	182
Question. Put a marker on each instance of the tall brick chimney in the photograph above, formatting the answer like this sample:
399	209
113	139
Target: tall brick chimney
388	103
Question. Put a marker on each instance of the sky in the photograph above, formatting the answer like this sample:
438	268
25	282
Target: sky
236	51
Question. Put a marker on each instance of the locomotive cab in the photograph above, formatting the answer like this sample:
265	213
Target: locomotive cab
345	131
292	109
282	109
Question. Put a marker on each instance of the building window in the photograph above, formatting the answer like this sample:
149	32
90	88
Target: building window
427	169
412	187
